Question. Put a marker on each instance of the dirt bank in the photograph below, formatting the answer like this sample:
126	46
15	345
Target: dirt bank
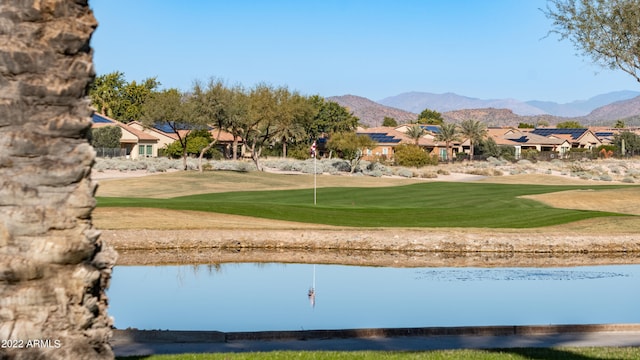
386	247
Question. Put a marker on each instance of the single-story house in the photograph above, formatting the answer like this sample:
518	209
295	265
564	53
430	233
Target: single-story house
524	140
164	138
579	138
432	146
133	142
387	138
167	136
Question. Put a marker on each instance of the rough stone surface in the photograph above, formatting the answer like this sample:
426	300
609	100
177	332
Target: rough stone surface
53	267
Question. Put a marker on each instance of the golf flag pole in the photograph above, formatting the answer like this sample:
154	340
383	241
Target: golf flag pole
313	155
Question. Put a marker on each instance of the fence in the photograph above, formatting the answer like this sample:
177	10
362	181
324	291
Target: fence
110	152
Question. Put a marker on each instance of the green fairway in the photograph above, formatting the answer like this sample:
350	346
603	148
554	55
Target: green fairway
436	204
580	353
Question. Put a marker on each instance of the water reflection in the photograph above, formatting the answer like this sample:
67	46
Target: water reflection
256	297
514	274
311	294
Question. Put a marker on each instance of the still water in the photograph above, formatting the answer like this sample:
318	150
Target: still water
257	297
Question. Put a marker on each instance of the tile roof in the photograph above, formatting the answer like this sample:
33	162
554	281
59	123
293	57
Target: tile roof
100	120
223	135
512	136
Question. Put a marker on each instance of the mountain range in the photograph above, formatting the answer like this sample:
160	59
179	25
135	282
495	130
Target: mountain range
603	109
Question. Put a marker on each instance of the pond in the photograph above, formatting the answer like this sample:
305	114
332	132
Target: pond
274	296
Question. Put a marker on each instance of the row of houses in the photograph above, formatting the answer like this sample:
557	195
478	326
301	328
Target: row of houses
554	141
138	141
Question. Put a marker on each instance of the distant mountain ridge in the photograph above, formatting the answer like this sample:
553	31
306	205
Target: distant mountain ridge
583	107
371	114
418	101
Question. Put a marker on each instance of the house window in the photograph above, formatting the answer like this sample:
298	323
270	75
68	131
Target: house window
385	151
141	150
149	150
369	152
443	154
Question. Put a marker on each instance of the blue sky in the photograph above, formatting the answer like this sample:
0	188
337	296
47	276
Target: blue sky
489	49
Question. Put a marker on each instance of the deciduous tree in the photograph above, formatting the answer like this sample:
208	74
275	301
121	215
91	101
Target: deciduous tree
294	117
350	146
607	31
169	108
211	106
330	117
112	96
105	92
431	117
258	127
628	141
570	124
389	121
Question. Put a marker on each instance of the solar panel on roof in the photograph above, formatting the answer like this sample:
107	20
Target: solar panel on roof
521	139
433	128
604	133
574	133
381	137
167	127
164	127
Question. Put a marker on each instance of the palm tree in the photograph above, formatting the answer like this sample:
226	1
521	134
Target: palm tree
415	132
448	134
55	268
473	130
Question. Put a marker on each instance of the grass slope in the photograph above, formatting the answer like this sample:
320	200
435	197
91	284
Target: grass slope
435	204
580	353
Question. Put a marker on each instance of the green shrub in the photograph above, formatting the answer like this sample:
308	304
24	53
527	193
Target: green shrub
413	156
530	154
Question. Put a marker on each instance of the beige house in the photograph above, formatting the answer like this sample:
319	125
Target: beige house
388	138
134	143
164	138
578	138
524	140
224	145
385	138
433	147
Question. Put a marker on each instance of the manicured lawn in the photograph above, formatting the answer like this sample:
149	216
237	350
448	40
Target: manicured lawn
496	354
435	204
